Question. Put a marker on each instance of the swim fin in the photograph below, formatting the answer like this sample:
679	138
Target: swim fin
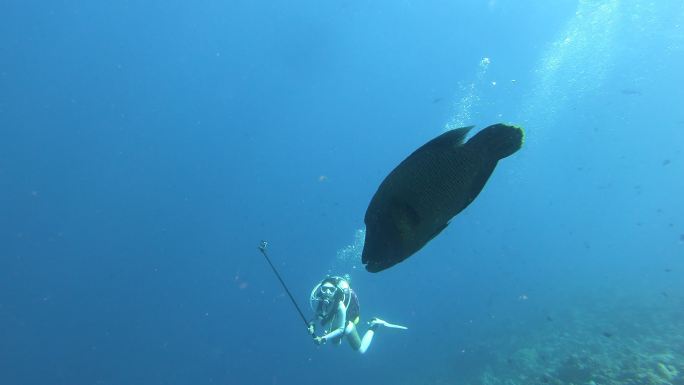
378	322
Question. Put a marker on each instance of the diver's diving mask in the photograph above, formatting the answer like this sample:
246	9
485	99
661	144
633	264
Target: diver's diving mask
328	290
322	298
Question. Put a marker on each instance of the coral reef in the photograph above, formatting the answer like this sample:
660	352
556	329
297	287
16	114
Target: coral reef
600	344
644	347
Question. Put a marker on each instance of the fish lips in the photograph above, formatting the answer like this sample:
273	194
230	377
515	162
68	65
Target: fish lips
377	266
378	255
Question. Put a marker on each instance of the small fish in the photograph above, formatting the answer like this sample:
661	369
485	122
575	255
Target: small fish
607	334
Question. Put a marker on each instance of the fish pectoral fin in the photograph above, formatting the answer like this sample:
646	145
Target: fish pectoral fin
411	214
406	219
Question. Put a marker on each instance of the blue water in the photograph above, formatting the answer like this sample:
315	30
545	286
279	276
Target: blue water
147	147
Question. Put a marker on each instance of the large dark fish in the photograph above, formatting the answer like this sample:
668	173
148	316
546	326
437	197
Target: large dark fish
419	197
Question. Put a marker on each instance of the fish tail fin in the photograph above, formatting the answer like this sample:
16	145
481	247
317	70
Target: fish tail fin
499	140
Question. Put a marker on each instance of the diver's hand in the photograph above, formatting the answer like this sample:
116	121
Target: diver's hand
319	340
310	328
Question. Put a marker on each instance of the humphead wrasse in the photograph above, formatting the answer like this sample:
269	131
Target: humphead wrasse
426	190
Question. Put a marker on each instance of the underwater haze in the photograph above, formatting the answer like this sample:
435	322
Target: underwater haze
147	147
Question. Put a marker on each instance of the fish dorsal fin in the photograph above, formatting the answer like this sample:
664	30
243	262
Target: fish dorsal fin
450	139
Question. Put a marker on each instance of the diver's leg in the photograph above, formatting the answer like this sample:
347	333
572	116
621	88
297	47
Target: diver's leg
338	323
367	339
359	344
352	335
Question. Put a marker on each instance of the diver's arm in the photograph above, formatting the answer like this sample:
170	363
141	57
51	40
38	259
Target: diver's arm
342	317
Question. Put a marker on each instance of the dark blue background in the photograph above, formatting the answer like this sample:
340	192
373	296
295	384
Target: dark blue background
147	147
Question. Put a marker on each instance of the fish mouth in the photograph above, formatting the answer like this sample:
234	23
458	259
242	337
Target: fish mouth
377	259
374	264
375	267
378	265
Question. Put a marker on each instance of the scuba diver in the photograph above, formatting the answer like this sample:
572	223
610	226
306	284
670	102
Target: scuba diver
336	308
